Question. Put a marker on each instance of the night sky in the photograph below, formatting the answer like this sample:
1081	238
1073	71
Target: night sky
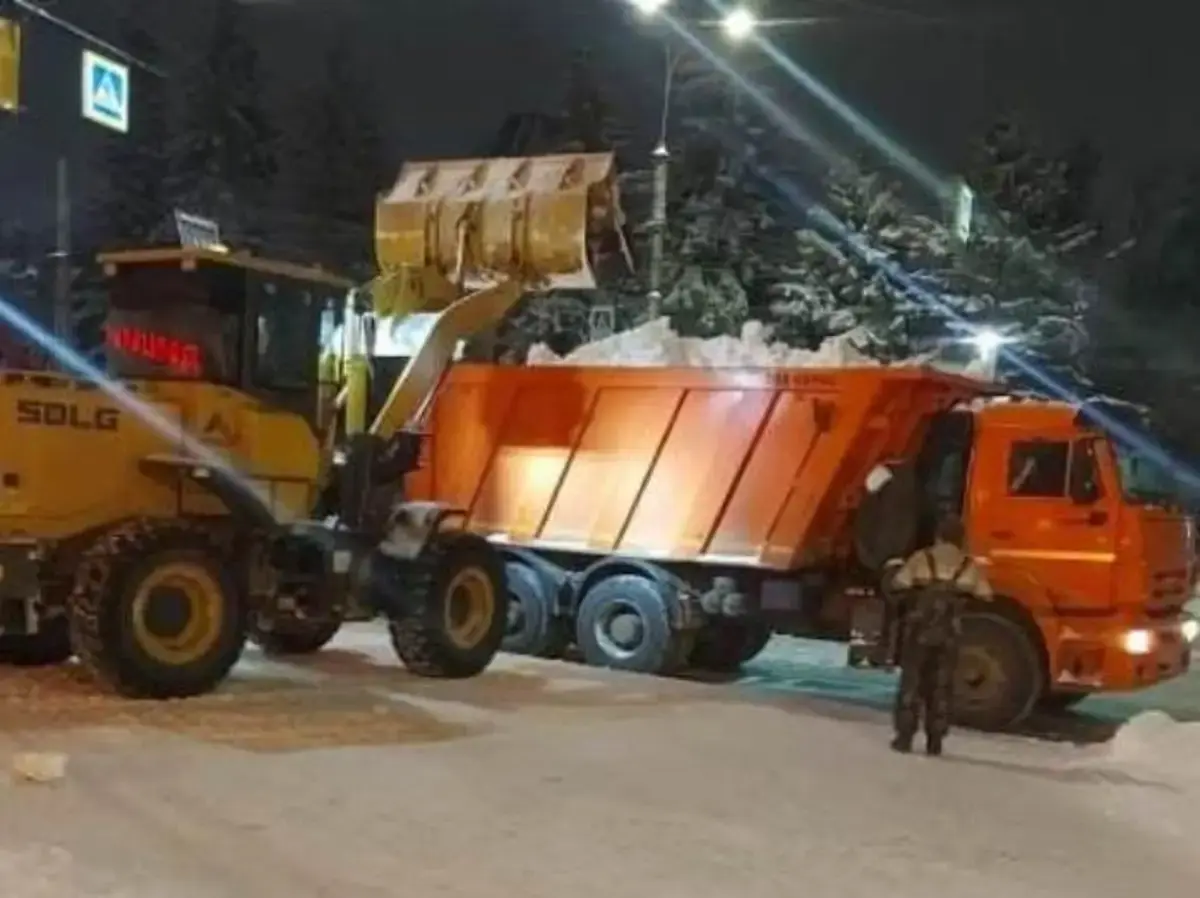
1124	74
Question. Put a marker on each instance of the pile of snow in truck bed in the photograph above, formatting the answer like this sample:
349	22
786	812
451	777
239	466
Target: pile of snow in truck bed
655	344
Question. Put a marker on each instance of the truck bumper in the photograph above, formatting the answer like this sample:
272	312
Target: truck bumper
1104	656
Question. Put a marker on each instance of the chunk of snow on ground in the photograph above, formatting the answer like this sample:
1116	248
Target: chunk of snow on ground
1154	742
656	344
39	767
47	871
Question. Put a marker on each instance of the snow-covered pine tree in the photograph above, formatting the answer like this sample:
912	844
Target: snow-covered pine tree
726	241
871	257
588	122
135	164
1033	257
867	258
1142	332
222	146
332	161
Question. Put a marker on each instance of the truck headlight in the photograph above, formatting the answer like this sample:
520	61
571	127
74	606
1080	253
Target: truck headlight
1190	629
1138	642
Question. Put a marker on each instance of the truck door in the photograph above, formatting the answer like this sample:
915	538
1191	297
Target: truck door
1050	523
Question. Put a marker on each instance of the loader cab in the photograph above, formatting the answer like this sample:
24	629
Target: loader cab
228	319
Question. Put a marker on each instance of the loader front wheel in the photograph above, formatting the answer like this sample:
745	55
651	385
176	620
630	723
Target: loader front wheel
456	593
155	615
49	645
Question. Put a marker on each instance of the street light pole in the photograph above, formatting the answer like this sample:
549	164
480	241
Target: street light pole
662	167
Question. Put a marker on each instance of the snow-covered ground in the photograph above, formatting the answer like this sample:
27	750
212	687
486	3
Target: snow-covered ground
347	777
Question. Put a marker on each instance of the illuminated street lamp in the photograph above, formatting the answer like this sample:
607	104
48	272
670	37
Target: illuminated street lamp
739	23
649	7
987	342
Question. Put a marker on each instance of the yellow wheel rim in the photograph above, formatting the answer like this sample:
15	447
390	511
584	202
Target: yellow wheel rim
178	612
470	604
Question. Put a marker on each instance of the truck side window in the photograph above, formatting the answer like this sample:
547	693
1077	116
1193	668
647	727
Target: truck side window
1085	474
1038	468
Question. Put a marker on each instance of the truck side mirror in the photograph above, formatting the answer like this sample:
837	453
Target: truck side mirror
1084	481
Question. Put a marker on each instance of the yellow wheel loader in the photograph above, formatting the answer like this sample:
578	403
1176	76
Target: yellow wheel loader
224	477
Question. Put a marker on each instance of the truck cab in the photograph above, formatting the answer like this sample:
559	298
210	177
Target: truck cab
1078	528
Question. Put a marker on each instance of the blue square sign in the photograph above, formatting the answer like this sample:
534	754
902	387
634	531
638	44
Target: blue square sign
105	91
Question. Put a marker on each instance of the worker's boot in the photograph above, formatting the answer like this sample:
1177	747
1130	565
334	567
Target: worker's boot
933	744
903	743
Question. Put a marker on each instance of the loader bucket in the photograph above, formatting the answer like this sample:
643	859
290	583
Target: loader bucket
539	219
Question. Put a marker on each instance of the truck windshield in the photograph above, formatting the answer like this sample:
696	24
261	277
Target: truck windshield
1143	479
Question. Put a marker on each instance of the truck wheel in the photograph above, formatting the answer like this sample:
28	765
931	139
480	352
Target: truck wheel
49	645
532	627
997	679
289	635
624	622
154	613
458	586
725	645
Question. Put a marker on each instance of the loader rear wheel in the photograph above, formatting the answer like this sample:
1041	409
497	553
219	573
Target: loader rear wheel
49	645
154	613
456	588
292	635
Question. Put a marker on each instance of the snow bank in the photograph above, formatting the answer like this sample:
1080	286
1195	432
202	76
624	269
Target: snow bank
1154	742
47	871
655	344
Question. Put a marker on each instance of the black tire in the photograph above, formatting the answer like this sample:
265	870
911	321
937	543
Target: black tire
643	641
455	569
1060	702
288	635
885	524
532	627
725	645
110	615
998	677
49	645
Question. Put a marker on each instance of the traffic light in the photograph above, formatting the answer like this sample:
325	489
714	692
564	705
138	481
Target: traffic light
10	65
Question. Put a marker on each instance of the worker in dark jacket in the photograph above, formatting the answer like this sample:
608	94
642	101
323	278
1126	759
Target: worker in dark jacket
933	585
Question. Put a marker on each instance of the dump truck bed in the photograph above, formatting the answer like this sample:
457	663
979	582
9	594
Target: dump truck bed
721	466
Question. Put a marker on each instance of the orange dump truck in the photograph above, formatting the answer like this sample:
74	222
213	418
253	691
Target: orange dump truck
661	517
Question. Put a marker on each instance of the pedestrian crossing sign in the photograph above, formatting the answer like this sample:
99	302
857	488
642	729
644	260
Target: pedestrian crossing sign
105	91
